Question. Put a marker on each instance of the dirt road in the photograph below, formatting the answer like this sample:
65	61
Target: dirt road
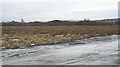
93	51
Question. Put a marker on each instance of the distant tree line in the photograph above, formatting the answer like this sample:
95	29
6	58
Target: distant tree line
56	23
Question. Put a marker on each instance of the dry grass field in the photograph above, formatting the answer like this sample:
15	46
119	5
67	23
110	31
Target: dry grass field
22	36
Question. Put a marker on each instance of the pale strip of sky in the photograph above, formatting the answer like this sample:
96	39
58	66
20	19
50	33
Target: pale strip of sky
45	10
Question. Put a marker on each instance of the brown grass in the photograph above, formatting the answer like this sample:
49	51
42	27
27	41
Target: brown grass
19	36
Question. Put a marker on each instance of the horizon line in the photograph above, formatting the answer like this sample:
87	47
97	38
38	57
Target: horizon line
62	20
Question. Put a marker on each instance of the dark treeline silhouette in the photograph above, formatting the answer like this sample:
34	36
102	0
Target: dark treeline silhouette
61	23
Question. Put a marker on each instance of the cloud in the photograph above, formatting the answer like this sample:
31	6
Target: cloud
58	9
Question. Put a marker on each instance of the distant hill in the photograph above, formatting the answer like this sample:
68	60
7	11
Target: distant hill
55	21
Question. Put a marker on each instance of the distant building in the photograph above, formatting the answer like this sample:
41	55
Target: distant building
86	19
22	21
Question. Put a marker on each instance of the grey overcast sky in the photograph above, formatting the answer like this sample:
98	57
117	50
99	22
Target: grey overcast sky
45	10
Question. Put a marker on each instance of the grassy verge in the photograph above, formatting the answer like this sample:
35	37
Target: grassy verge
23	36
